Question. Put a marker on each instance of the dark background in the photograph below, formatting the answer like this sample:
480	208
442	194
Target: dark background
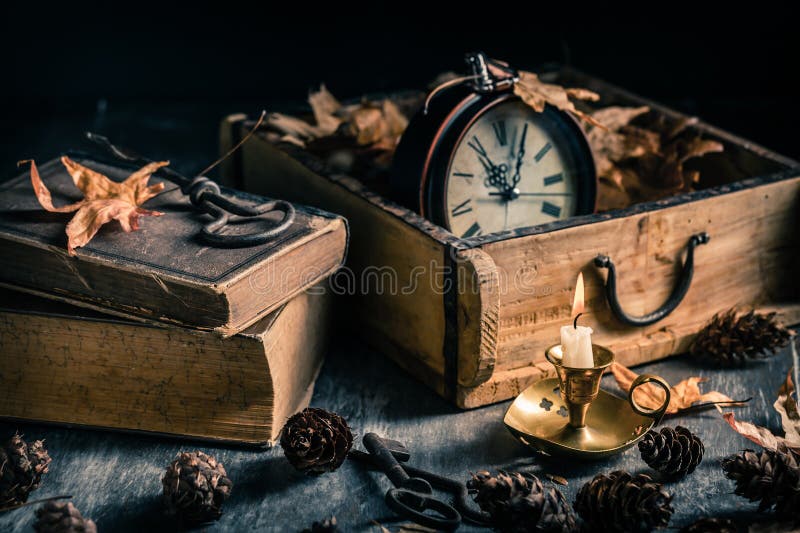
162	77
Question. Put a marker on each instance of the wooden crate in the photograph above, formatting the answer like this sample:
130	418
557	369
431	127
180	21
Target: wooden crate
476	325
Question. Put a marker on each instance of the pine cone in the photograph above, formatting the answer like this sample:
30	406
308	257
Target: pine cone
520	503
711	525
195	487
731	341
673	452
21	468
316	440
770	477
621	502
62	517
326	526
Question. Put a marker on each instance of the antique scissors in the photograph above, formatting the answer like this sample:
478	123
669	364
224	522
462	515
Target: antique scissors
206	196
412	493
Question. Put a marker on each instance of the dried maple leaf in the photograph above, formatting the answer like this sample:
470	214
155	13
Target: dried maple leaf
537	93
104	200
682	396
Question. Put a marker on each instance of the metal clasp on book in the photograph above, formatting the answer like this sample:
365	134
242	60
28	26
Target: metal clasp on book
206	196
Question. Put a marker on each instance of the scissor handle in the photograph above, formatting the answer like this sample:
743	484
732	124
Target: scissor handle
658	413
413	505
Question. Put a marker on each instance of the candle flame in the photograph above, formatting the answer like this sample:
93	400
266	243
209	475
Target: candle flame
577	302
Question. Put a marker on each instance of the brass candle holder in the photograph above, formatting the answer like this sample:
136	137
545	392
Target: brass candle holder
570	415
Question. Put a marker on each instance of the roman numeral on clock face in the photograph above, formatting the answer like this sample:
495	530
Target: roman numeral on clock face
499	128
543	152
555	178
551	209
465	175
474	229
462	208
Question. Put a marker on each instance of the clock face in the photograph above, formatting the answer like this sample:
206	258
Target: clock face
511	168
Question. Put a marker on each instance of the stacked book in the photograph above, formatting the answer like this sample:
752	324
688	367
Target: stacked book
154	330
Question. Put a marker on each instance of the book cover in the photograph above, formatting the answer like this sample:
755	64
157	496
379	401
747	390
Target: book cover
162	272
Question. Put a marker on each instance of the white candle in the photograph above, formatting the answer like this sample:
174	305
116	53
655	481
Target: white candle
576	342
576	346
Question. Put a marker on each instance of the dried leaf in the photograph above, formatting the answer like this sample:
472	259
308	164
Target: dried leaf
610	146
561	480
760	435
537	94
292	127
615	117
325	107
367	132
671	174
367	125
645	163
786	406
104	200
682	395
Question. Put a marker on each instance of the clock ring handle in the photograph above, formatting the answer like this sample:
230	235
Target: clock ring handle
675	298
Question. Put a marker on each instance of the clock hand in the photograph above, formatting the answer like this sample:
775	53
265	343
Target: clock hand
520	157
496	173
515	194
483	156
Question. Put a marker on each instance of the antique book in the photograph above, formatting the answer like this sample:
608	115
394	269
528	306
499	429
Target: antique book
162	272
70	365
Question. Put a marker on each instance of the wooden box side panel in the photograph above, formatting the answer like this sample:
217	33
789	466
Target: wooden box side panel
394	274
747	262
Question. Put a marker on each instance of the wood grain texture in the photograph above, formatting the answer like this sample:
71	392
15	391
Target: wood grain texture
64	365
478	308
116	479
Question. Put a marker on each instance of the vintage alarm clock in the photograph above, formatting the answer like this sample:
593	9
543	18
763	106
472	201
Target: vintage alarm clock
478	160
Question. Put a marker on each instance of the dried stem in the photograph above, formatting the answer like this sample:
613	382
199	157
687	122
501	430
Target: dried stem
236	147
34	502
706	405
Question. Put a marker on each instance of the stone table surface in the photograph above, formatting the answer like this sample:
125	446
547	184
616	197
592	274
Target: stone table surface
115	478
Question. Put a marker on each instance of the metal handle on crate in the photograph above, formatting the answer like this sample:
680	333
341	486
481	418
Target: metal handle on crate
680	290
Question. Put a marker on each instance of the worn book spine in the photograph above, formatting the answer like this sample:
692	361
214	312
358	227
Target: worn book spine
64	365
